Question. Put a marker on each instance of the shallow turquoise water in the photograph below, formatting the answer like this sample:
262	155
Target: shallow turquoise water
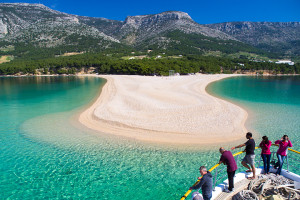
273	103
44	155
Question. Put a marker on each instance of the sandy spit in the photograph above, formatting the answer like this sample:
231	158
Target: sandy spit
168	110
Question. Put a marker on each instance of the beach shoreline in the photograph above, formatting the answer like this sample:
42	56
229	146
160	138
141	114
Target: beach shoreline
165	110
250	113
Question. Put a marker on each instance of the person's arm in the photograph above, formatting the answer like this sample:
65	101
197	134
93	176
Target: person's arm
290	143
261	144
277	141
199	185
269	144
221	159
239	146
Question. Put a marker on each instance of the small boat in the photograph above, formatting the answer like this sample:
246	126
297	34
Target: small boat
284	186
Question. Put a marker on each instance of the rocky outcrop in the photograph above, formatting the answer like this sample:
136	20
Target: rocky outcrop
143	27
42	26
3	29
39	25
269	35
141	21
260	32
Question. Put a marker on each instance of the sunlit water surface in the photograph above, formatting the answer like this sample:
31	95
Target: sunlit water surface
45	154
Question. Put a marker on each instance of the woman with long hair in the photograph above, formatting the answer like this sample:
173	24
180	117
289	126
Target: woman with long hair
266	153
284	143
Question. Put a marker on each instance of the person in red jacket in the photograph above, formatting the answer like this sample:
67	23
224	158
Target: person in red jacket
284	143
266	153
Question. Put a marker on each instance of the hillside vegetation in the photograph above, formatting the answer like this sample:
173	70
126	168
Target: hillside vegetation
98	63
39	39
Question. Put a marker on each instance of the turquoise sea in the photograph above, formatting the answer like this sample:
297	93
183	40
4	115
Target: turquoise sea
44	154
273	103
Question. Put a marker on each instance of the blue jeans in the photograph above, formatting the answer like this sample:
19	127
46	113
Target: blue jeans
280	163
266	159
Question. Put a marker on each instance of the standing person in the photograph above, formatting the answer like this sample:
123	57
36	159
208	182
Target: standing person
266	153
250	156
228	159
284	143
205	183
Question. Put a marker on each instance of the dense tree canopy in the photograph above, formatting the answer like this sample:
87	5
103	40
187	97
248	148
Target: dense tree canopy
103	64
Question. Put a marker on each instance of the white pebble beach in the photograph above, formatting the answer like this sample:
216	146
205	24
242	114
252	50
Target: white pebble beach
170	110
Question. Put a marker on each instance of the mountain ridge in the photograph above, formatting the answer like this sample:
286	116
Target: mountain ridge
41	26
272	36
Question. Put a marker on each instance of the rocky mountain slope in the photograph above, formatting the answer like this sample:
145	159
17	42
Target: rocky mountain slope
42	26
21	19
172	30
280	37
39	26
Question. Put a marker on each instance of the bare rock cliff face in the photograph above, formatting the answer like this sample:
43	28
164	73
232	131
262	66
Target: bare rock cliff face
256	33
141	21
38	24
42	26
282	38
145	26
3	29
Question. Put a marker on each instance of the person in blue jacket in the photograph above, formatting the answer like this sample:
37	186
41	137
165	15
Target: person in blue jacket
205	183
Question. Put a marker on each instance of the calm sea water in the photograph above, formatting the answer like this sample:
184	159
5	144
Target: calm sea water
45	155
273	103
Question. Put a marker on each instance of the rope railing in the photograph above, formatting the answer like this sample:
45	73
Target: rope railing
217	165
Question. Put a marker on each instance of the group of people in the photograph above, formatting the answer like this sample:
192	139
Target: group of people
206	183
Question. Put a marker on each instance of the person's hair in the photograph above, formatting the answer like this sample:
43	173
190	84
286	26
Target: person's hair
202	168
221	149
249	134
265	139
284	136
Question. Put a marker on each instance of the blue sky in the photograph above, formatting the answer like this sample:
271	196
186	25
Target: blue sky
203	12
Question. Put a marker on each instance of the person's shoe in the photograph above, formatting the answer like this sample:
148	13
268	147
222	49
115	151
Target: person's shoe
228	191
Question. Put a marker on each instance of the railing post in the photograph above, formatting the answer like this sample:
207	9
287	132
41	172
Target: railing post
287	163
259	159
237	158
215	182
